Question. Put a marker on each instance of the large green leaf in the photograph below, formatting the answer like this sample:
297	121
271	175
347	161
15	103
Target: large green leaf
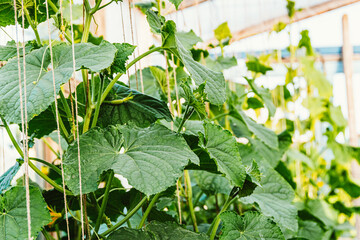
10	50
157	230
250	226
137	108
150	83
211	183
274	199
152	159
215	82
222	147
261	132
188	39
122	55
13	215
39	83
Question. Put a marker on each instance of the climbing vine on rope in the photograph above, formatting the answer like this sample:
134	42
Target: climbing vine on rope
178	155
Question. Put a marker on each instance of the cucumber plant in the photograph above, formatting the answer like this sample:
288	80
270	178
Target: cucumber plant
197	166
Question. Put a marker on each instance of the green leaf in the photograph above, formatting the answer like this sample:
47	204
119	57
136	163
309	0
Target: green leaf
253	64
296	155
316	106
250	226
221	63
306	43
161	78
215	82
274	199
264	94
7	16
137	108
337	116
309	230
13	213
222	32
152	159
211	183
155	21
176	3
7	177
40	91
195	101
122	55
315	77
157	230
254	103
222	147
150	83
322	211
264	134
9	50
188	39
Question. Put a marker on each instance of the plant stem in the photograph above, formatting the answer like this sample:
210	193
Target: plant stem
189	198
66	106
184	119
215	224
52	166
112	83
46	234
104	202
49	180
33	26
51	148
53	6
148	209
98	105
41	174
86	31
105	5
13	140
127	217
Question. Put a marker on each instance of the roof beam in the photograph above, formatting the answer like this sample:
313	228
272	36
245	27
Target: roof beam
304	14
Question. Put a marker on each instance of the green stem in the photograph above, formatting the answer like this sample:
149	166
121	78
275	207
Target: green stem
33	26
112	83
53	167
105	5
46	234
127	217
86	31
96	8
66	106
184	119
49	180
13	140
98	105
215	224
53	6
104	202
189	198
148	209
51	148
220	116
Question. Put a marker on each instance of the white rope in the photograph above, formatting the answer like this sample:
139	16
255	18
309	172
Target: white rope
133	42
77	124
124	36
23	110
56	109
138	53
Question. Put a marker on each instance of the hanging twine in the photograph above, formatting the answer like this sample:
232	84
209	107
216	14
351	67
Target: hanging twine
133	42
124	36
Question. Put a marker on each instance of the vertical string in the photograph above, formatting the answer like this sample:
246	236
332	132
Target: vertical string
77	124
168	88
56	108
24	121
138	53
124	37
176	88
133	42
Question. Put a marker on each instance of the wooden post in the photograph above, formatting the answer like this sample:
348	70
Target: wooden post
348	71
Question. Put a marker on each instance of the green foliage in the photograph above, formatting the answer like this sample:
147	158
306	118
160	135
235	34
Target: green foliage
176	3
13	215
40	93
124	50
250	226
151	158
222	32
